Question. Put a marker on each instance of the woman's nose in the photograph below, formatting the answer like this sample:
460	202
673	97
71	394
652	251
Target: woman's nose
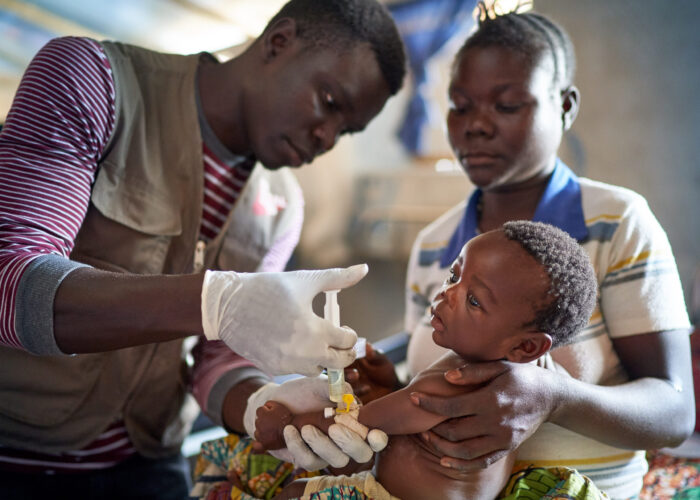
479	123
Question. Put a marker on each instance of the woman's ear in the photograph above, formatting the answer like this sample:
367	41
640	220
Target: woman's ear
570	102
529	346
278	37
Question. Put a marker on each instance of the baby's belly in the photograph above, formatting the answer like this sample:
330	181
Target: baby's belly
409	470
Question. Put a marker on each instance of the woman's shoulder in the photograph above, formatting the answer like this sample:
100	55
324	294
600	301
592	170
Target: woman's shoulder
440	230
603	199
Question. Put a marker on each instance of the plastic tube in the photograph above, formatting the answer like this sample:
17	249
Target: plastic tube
336	378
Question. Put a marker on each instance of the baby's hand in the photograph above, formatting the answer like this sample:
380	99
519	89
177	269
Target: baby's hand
271	419
372	377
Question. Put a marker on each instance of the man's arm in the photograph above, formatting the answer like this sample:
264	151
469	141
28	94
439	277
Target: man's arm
59	123
98	311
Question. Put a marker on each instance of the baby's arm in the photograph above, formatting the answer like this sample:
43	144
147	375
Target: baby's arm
396	414
393	413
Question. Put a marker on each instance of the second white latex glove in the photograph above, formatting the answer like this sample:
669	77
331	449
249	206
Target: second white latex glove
268	319
311	449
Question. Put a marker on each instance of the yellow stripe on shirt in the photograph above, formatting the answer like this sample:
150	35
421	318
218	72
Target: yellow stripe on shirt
632	260
603	216
433	245
622	457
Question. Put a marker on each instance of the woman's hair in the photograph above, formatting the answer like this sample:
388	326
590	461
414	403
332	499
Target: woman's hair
530	34
342	24
573	285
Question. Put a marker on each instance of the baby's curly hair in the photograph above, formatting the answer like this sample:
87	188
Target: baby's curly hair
573	285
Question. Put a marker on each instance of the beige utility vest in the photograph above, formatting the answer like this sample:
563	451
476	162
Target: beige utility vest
143	218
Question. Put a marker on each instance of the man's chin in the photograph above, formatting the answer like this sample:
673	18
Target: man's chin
271	164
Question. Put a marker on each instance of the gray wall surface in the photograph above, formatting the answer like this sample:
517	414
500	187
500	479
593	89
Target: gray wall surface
639	124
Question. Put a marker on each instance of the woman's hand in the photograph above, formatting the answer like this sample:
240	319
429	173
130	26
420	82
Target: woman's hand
373	376
489	422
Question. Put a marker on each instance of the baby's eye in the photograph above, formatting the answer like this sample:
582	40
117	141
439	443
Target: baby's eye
457	107
472	300
452	278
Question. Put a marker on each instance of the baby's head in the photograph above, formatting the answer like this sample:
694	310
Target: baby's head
514	293
511	98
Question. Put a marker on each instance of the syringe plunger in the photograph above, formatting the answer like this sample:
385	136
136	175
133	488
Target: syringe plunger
336	378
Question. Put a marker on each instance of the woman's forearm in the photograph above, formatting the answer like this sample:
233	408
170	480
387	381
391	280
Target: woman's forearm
655	409
99	311
643	414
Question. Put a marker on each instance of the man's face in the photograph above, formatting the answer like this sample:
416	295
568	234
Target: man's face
493	288
505	119
308	97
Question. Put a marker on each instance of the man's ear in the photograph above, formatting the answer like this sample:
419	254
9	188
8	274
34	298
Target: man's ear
278	37
529	346
570	102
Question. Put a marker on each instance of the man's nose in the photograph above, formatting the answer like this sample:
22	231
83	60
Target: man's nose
326	135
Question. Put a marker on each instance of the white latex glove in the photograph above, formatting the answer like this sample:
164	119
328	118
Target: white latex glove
311	449
267	318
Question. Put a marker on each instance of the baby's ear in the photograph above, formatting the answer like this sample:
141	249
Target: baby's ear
529	346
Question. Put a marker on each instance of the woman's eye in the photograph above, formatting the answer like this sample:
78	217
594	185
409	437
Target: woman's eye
472	300
508	108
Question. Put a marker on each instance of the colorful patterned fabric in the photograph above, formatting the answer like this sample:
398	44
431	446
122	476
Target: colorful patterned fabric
360	486
671	477
551	483
230	460
228	468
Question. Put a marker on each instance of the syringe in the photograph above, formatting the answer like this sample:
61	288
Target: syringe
336	378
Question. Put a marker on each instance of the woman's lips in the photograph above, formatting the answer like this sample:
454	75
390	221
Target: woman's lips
478	159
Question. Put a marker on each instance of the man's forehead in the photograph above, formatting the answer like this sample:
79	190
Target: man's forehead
364	88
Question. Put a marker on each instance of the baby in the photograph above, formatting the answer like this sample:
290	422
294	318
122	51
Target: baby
512	294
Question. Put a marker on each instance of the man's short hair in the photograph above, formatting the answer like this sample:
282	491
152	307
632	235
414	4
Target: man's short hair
341	24
573	285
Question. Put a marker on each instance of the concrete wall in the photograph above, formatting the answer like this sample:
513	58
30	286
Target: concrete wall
639	125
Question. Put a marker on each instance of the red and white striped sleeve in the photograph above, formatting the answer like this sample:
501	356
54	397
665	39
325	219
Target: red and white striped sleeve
217	369
60	121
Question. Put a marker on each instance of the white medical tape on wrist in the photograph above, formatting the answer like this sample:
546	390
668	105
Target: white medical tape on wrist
351	423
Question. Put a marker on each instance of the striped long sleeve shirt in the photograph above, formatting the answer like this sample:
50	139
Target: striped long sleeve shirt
61	119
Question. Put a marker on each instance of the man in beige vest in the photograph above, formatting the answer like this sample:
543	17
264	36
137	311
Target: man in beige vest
113	203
